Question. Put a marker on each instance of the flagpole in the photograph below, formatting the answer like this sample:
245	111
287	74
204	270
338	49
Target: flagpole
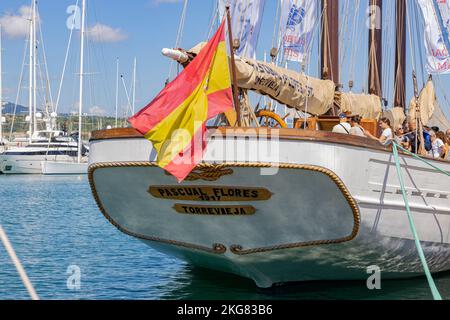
233	70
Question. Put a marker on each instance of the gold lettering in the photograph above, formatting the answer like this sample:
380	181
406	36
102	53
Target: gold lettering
210	193
215	210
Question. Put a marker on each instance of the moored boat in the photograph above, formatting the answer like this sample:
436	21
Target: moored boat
269	201
63	168
327	209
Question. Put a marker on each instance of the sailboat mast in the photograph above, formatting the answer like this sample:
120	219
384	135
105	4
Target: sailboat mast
233	70
376	48
400	56
330	41
134	85
80	109
35	128
1	88
30	81
117	91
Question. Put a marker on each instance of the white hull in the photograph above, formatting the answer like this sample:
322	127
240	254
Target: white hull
335	210
63	168
27	164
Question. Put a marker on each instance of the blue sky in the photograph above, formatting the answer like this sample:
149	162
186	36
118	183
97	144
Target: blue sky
142	28
146	26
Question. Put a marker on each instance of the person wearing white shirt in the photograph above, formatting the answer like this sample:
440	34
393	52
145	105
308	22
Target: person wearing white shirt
356	130
343	127
437	146
386	136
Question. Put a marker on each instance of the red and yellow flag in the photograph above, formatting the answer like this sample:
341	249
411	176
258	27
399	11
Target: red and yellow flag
175	121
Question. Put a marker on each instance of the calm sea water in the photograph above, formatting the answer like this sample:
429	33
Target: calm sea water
53	223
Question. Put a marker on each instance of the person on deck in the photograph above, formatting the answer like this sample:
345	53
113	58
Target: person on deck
441	135
386	135
400	137
356	129
437	146
343	127
411	136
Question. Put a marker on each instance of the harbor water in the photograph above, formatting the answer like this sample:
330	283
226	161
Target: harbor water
70	251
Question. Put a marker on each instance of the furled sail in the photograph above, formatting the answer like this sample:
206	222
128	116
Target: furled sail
438	119
246	23
288	87
367	106
396	116
436	15
298	20
430	109
427	103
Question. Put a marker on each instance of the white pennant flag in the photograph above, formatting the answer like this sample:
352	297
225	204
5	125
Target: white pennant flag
436	14
298	20
246	21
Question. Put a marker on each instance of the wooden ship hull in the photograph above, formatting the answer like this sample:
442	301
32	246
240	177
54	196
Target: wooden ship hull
277	205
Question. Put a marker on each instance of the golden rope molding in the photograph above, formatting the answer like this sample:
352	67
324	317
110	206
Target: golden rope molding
236	249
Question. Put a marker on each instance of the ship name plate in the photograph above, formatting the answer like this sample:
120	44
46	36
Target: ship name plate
215	210
209	193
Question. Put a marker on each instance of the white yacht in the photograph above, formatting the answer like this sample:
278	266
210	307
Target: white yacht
28	159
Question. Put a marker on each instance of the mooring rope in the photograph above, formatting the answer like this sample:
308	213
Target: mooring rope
422	159
23	276
431	283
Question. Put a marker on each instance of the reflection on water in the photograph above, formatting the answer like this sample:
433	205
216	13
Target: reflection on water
196	283
54	223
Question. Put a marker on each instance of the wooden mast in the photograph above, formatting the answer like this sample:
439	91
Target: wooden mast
1	88
376	48
330	41
233	70
400	56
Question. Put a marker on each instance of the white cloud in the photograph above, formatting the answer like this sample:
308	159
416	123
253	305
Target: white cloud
17	25
103	33
97	111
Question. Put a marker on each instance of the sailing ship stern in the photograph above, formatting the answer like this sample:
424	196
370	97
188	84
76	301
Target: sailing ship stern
250	218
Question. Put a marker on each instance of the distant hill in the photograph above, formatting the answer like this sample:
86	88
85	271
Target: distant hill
8	108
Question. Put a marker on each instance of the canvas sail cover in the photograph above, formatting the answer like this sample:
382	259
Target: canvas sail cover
427	103
246	22
436	15
288	87
396	116
293	89
298	20
438	119
368	106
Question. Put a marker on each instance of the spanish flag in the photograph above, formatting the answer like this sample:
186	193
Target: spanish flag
175	121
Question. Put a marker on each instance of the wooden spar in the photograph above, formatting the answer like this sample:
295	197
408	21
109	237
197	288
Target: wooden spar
376	48
233	70
1	88
330	41
400	56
